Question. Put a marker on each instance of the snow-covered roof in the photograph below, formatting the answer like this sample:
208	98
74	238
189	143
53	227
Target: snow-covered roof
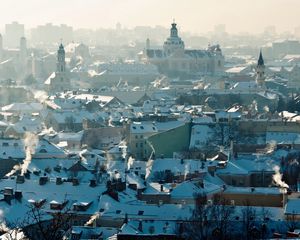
143	127
23	107
292	206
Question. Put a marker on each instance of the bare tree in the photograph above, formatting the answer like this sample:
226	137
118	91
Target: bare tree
248	219
38	224
221	214
197	227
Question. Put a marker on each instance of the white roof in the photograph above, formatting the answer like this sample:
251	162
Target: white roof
23	107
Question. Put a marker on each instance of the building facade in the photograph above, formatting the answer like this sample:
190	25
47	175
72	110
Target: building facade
175	60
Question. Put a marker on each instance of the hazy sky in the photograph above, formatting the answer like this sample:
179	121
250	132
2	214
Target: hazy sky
192	15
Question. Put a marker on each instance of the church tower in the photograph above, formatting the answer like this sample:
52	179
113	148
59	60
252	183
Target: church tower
260	71
59	80
174	42
61	63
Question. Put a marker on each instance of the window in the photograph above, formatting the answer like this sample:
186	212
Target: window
16	144
5	144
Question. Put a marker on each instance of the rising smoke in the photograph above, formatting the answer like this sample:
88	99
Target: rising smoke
277	178
30	143
92	220
150	160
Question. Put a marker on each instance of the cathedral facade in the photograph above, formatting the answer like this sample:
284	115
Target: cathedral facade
174	60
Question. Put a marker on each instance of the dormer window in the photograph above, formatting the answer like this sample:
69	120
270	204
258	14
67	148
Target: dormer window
54	205
5	144
81	206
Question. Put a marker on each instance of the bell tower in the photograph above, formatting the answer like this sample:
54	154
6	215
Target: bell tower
61	63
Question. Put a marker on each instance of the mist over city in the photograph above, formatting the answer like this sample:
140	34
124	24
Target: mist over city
131	120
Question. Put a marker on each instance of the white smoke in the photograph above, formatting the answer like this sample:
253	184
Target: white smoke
110	121
15	168
149	167
40	95
277	178
187	169
266	109
271	147
92	220
130	161
150	160
82	158
30	143
124	149
253	107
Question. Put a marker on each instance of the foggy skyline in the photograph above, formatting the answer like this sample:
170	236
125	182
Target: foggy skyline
196	16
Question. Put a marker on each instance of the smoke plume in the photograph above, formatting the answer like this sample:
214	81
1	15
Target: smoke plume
150	160
92	220
30	143
277	178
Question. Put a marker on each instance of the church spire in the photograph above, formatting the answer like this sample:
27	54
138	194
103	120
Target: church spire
260	71
260	61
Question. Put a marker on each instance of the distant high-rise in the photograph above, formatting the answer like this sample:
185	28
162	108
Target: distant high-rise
49	34
1	47
13	32
23	49
148	43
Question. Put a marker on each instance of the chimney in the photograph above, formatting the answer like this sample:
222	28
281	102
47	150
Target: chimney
252	189
20	179
18	195
93	183
27	174
140	227
7	198
8	190
43	180
8	195
161	187
59	181
75	181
